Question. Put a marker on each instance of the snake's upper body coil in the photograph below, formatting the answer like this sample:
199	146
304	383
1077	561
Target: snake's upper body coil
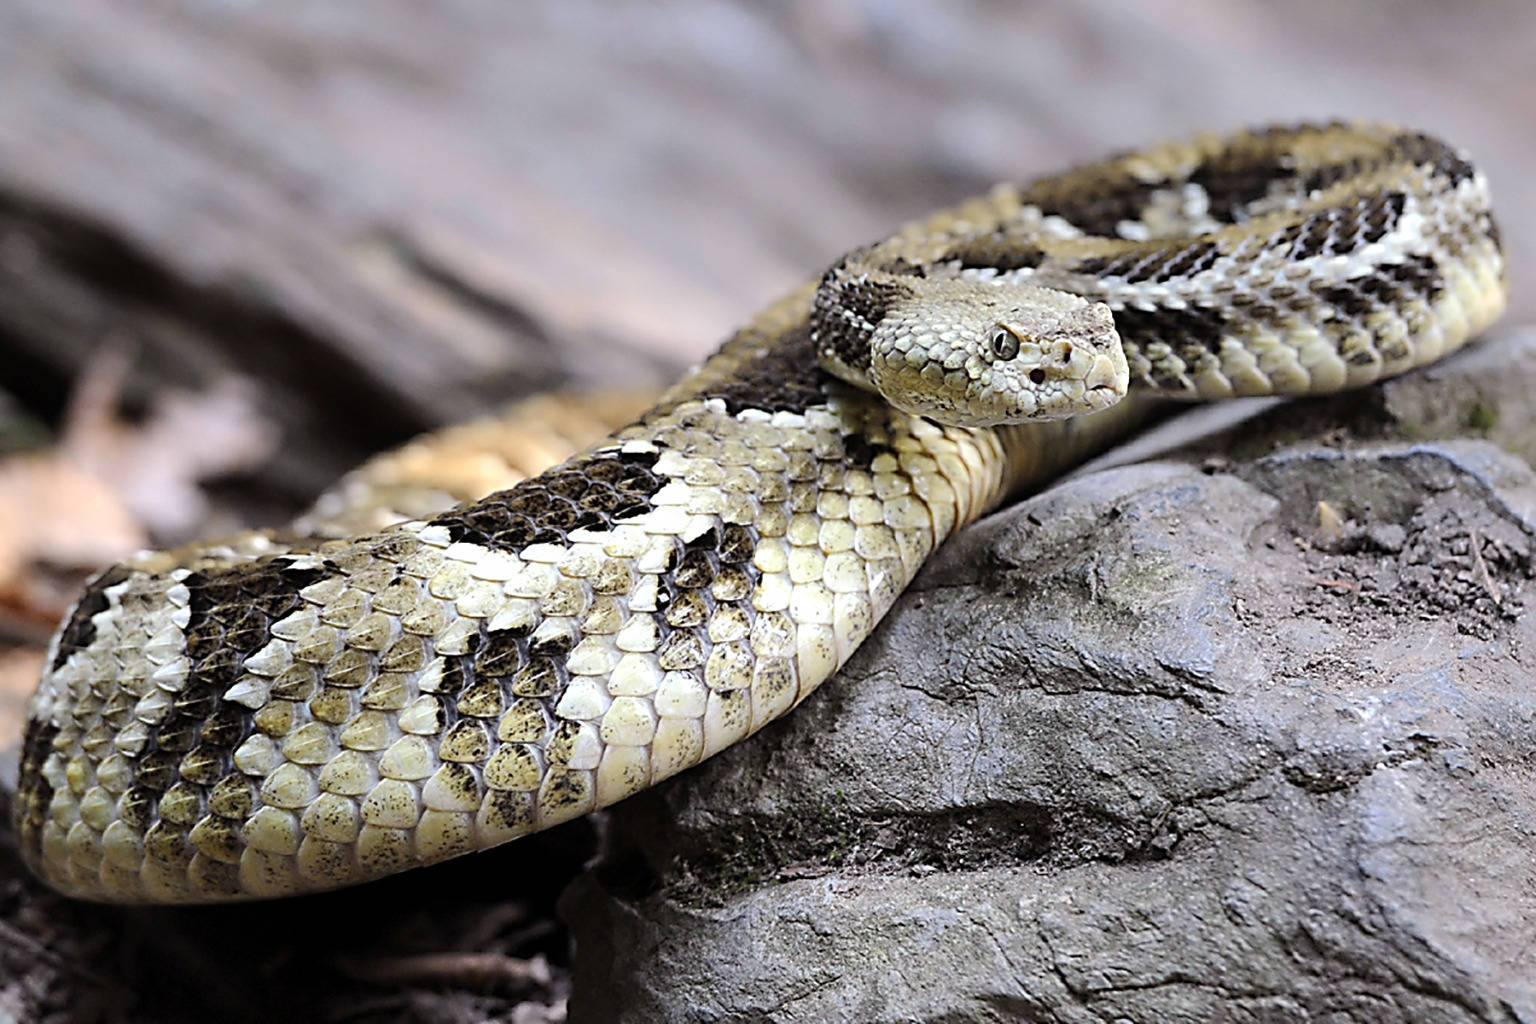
267	716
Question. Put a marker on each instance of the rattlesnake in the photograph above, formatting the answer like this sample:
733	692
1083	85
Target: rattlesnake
276	714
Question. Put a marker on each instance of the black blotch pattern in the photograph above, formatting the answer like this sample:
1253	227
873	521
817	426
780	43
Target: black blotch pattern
848	307
589	492
696	569
33	793
785	377
904	267
737	543
80	631
1095	208
997	250
553	648
230	612
1180	329
500	653
1391	285
1380	215
860	453
1334	231
1426	149
1236	179
1153	263
706	541
1414	147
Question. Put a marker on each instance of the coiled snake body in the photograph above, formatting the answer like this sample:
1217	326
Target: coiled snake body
273	715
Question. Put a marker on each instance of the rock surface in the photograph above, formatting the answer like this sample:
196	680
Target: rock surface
1164	743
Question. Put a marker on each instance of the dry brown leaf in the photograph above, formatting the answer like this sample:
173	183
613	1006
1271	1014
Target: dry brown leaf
155	467
108	487
55	513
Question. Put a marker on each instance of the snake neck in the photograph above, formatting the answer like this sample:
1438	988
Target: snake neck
854	296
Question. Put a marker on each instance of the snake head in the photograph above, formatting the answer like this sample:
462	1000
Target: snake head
970	354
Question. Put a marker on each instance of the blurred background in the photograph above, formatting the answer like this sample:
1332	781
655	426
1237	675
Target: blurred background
243	245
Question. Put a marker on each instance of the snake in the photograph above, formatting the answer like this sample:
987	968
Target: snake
288	711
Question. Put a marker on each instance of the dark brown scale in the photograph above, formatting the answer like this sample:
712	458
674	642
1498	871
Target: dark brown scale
687	610
695	571
80	632
1176	328
33	792
599	499
847	309
251	597
501	654
224	728
542	677
455	670
1104	266
737	543
1418	148
198	706
156	770
782	375
1236	179
219	666
1192	259
998	251
179	740
590	492
550	647
137	807
709	540
202	766
1096	206
1392	285
1153	263
1380	215
1412	147
1336	231
1097	197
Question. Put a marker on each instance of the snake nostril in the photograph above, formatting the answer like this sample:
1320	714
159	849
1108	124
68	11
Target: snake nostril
1066	352
1038	376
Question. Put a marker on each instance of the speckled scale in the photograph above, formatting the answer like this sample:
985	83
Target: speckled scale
257	718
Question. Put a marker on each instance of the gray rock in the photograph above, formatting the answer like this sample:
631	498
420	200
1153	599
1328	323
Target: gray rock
1164	743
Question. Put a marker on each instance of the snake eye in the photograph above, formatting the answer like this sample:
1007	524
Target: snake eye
1005	344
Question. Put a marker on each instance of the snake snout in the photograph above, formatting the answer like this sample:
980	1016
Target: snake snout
1107	373
1107	381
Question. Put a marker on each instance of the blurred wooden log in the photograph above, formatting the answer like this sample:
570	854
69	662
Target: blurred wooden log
392	215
